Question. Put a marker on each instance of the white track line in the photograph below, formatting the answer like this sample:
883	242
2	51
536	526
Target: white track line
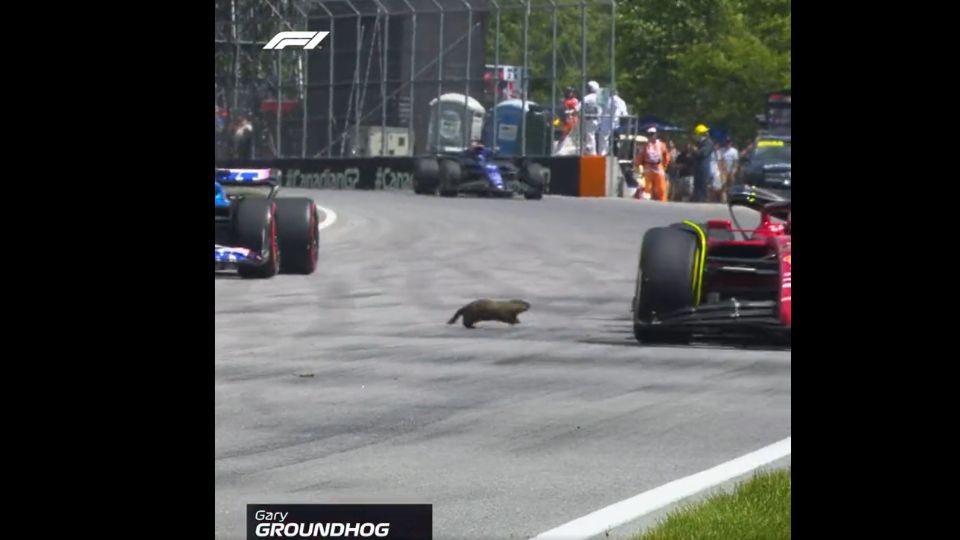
630	509
329	218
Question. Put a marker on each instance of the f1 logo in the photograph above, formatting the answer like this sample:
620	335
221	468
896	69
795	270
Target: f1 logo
309	40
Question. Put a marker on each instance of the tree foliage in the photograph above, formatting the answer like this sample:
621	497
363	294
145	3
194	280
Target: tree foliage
708	61
251	23
540	49
689	61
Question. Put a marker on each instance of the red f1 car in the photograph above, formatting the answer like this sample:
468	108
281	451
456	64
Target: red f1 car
702	280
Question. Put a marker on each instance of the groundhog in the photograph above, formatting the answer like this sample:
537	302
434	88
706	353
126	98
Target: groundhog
490	310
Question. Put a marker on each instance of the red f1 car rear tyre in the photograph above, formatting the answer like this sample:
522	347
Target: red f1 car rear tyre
256	230
665	281
297	235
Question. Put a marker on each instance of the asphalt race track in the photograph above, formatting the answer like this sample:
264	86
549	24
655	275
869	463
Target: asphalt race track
347	386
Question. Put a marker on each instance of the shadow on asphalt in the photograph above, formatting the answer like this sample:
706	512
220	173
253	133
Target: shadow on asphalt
631	342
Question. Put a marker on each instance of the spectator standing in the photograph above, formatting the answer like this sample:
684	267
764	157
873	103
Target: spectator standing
655	158
610	121
729	163
716	178
569	142
672	148
241	134
681	180
590	119
702	172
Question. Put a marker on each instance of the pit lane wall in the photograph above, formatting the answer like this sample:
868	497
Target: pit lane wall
573	176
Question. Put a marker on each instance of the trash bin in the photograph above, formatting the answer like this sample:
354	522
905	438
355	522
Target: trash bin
509	136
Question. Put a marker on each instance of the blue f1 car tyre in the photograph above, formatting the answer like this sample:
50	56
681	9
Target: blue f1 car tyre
297	235
449	177
256	230
534	177
426	176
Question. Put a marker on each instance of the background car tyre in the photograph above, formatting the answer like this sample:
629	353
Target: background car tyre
297	235
535	177
426	176
449	177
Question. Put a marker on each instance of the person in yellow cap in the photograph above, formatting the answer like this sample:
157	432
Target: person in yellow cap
701	170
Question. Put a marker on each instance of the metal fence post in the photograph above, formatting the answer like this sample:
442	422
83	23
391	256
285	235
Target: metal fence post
583	69
278	150
383	77
330	88
468	127
496	76
525	82
436	127
304	100
236	58
356	81
553	76
413	76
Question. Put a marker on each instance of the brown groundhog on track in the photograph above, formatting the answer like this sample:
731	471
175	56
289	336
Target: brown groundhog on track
490	310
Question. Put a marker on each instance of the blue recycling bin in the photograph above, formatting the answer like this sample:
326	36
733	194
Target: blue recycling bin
507	139
509	117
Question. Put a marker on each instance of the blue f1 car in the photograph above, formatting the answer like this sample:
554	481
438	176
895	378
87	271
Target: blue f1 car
476	170
257	233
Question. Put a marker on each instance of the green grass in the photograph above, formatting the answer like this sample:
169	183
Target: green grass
758	509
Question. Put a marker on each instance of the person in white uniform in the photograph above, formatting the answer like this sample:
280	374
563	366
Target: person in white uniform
609	122
590	119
